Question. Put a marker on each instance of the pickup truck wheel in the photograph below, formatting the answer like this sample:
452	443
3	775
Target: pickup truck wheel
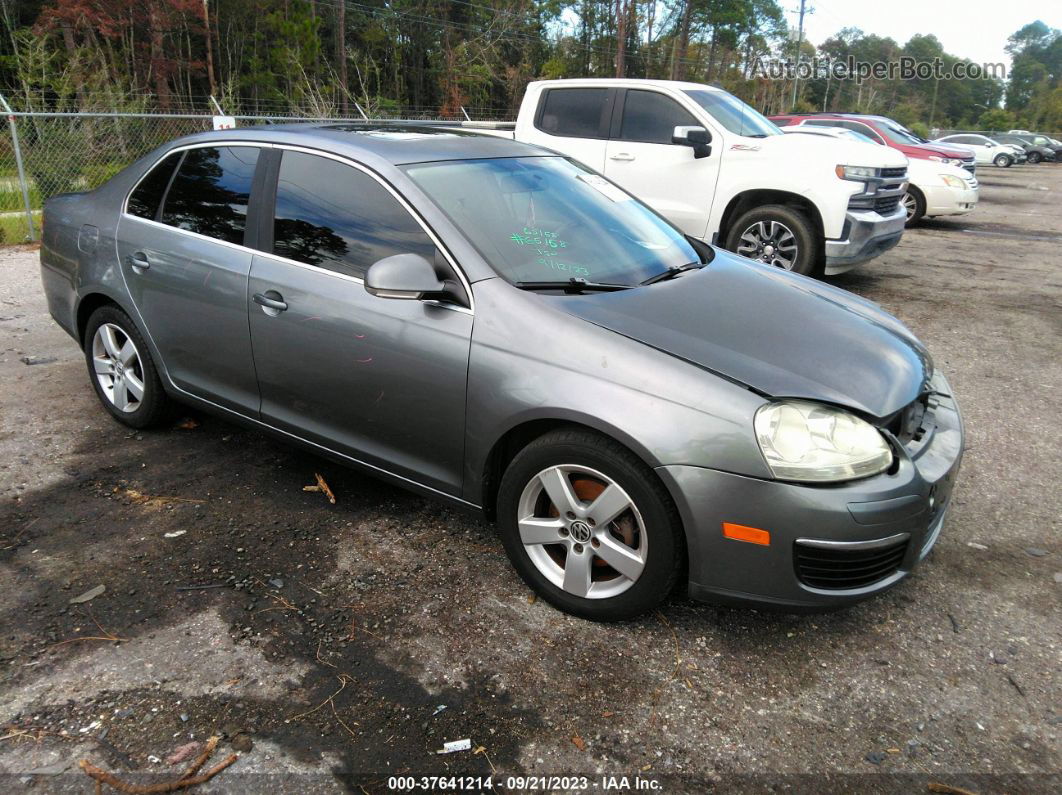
775	235
588	526
915	204
1035	157
121	370
1003	161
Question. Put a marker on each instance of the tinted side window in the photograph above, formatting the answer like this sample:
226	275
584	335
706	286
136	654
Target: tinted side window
334	216
574	112
652	117
144	200
209	195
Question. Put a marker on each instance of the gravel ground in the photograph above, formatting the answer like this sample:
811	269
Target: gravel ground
329	637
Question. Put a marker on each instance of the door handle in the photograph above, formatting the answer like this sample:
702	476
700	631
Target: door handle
624	156
138	261
266	302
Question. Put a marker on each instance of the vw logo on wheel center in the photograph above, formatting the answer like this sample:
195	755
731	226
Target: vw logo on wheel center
580	531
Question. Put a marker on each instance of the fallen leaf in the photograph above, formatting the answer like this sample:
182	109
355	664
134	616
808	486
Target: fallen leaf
187	424
532	599
324	487
607	714
578	742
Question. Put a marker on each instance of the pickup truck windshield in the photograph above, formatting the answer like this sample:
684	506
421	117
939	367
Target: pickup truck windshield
544	219
734	114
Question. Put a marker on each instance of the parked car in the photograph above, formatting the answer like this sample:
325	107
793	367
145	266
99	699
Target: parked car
938	183
1044	143
886	132
721	172
985	150
1036	153
634	407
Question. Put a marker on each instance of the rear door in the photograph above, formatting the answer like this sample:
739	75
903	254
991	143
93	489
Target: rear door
575	122
378	379
182	253
641	158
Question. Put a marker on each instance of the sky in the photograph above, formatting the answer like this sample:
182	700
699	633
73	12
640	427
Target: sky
973	29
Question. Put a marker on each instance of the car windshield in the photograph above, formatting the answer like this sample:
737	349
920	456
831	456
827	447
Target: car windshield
545	219
898	135
734	114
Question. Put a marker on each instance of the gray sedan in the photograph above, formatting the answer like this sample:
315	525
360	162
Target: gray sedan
498	326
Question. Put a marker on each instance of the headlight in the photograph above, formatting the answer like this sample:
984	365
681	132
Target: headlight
952	182
951	161
855	172
811	442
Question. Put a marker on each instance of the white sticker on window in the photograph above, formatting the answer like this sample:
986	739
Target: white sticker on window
604	187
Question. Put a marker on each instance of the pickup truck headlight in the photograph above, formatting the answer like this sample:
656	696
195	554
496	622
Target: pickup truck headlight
815	443
855	172
952	182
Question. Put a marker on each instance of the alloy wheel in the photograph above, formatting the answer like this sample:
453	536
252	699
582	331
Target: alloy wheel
910	204
118	368
582	531
771	242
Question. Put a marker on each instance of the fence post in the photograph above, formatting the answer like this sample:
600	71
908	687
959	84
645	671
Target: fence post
18	164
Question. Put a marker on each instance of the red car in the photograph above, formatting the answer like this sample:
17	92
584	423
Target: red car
882	130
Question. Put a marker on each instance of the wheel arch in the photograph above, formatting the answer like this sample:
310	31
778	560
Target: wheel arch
749	199
88	304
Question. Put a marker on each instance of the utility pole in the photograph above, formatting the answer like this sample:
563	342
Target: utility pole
209	50
800	43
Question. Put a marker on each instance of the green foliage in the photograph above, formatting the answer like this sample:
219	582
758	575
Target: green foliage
921	129
996	119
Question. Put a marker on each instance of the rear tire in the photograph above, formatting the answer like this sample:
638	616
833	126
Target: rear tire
1003	161
572	503
122	372
776	235
915	204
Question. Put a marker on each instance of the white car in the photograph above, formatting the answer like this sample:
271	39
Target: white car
938	189
985	150
935	188
723	173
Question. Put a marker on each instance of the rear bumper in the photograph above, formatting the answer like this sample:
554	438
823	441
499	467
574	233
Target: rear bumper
866	235
829	546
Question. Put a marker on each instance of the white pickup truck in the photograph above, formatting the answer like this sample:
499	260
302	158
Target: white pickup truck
722	172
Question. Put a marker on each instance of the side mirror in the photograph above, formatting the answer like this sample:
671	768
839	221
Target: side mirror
696	137
404	276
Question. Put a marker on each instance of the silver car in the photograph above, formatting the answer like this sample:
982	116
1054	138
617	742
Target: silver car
495	325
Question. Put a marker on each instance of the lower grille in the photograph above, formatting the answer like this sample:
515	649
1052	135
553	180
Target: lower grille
886	205
839	568
897	171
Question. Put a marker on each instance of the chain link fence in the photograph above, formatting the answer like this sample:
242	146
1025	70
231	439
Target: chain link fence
43	154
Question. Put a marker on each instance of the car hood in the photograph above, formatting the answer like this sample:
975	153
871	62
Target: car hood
780	334
829	149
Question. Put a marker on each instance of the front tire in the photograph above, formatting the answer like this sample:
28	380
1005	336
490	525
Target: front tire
122	371
776	235
1003	161
915	204
589	527
1035	157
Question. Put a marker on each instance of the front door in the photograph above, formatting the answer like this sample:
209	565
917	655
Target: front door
378	379
641	158
180	244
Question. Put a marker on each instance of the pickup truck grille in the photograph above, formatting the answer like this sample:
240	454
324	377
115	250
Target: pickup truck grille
886	205
840	568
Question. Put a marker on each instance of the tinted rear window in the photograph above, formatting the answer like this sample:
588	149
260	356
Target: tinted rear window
210	193
574	112
144	200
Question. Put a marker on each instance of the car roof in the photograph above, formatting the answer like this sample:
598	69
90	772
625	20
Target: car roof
395	143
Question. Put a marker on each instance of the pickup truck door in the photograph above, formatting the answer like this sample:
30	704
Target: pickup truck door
641	158
575	122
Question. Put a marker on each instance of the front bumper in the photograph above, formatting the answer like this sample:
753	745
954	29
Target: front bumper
866	235
945	200
897	515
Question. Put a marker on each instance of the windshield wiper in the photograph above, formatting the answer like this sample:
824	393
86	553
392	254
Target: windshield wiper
573	285
671	273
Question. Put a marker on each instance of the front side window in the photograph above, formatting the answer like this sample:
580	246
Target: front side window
574	112
338	218
549	219
210	192
651	117
145	199
733	114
